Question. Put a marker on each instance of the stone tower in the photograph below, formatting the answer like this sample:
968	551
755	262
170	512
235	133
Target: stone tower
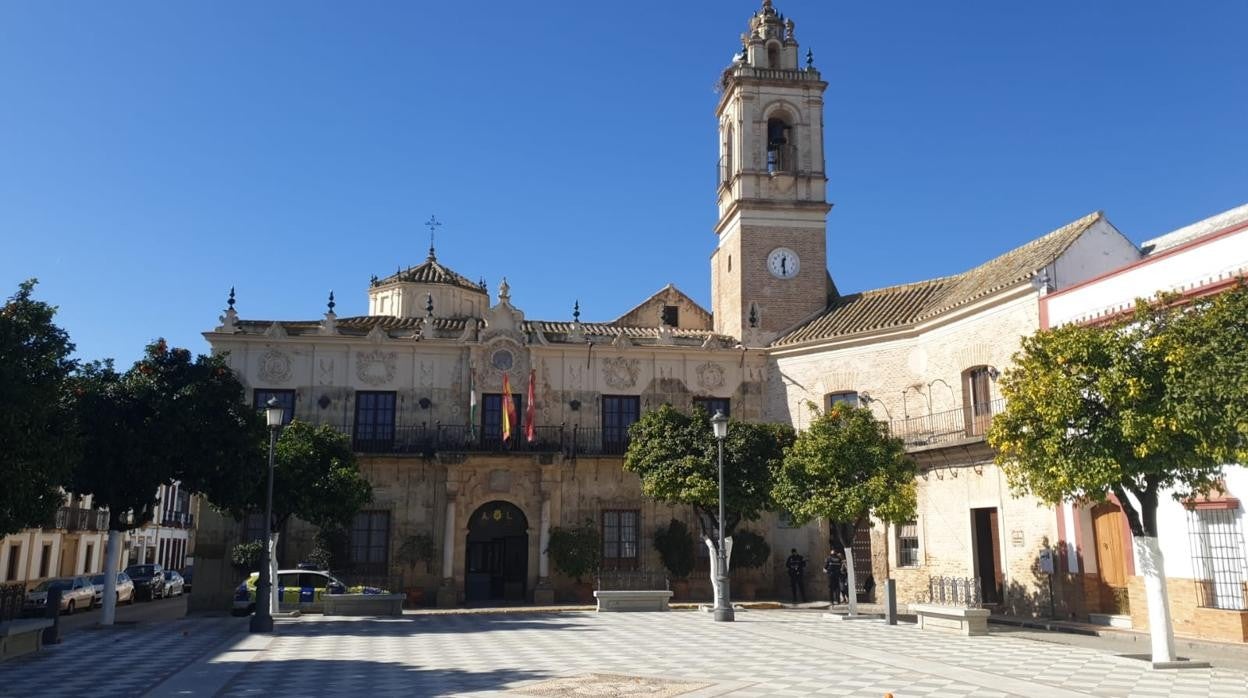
769	268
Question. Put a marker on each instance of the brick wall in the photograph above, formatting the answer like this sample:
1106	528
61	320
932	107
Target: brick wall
1188	618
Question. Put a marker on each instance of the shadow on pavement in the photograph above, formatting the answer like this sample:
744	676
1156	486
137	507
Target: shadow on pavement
431	625
322	677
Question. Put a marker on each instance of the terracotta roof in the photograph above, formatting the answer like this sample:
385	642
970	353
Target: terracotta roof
897	306
430	272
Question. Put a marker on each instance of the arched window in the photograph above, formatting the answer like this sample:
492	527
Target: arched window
773	55
725	169
780	151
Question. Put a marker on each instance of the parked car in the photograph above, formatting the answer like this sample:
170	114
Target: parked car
125	589
174	584
297	589
149	581
76	593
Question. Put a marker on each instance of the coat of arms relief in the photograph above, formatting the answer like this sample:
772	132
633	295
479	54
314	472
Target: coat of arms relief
621	372
375	367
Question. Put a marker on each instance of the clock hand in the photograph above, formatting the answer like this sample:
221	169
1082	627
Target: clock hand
784	264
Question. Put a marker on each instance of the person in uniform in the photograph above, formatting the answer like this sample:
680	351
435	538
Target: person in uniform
796	566
832	567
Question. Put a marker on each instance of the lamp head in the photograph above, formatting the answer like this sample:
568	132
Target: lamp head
719	423
273	413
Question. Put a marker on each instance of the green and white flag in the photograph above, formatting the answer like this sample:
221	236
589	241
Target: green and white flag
472	402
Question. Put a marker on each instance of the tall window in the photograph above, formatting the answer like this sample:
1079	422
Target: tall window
844	397
713	404
45	560
374	421
977	399
15	556
285	398
370	542
492	418
908	544
619	538
253	527
1217	544
780	153
618	414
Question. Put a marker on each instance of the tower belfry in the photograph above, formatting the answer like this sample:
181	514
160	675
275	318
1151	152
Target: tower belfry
769	268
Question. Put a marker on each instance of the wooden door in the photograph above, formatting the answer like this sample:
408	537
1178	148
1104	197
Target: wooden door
1107	526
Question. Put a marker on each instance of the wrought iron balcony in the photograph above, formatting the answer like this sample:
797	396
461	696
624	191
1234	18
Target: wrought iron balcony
969	422
79	519
428	440
178	519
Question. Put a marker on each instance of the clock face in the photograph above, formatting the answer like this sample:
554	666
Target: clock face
782	263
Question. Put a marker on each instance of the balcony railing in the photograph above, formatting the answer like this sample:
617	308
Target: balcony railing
966	422
178	519
79	519
428	440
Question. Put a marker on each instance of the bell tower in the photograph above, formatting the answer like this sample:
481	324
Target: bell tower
769	268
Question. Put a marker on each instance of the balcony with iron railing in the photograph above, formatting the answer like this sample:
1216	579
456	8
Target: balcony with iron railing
178	519
427	440
79	519
966	423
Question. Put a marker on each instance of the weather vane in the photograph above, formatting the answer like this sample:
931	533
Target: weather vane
433	224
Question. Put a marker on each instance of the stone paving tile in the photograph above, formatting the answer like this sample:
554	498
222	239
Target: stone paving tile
766	653
125	660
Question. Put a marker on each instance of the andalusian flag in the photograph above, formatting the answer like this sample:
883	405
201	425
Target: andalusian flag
472	402
530	410
509	407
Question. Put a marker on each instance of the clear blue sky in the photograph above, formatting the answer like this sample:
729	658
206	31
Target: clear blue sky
152	154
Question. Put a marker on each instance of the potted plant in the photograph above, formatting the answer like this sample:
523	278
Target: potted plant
749	551
414	550
245	557
675	546
575	551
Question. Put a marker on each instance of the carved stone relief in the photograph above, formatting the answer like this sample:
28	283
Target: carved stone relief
621	372
326	375
710	375
375	367
274	367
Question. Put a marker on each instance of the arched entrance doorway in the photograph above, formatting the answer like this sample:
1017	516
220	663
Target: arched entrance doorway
497	563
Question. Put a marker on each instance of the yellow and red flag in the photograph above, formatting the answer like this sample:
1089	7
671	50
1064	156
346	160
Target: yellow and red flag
530	409
509	407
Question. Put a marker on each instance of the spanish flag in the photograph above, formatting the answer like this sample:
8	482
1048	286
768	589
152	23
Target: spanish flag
530	409
509	407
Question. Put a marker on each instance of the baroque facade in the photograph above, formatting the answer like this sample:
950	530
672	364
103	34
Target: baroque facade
780	335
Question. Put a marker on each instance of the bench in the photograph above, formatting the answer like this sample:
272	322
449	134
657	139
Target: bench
22	636
955	619
633	600
363	604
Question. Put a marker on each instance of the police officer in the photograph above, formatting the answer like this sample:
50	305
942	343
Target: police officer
832	567
796	565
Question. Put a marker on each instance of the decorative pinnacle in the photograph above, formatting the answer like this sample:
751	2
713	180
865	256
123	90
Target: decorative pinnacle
576	311
810	59
429	304
230	303
753	316
331	300
433	224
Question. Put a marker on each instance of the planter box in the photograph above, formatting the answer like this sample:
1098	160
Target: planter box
954	619
363	604
632	600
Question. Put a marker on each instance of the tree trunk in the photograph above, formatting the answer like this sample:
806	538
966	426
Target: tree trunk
843	534
1151	562
112	552
710	546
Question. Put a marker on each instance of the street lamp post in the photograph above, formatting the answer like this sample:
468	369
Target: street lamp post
262	620
723	609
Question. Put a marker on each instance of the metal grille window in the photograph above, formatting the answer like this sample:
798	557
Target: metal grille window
374	421
713	405
908	544
1217	543
619	538
285	398
370	542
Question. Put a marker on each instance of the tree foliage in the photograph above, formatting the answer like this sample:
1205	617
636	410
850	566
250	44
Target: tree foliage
169	418
846	467
1134	407
36	445
675	546
575	550
315	477
675	454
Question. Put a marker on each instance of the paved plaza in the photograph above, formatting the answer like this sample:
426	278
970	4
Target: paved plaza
765	653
